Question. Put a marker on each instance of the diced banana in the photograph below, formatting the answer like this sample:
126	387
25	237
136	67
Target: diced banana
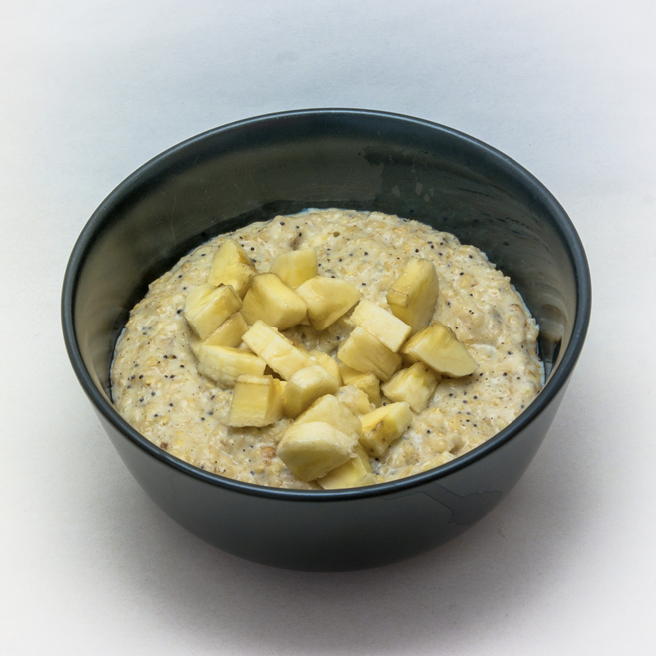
327	299
276	350
329	410
413	294
232	266
254	402
369	384
224	364
415	385
439	348
348	374
354	399
353	473
366	353
296	267
270	300
279	395
305	387
383	426
310	450
327	363
207	307
381	324
229	333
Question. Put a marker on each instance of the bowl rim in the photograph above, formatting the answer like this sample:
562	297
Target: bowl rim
556	381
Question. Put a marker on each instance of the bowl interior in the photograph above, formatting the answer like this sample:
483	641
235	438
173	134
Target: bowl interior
282	164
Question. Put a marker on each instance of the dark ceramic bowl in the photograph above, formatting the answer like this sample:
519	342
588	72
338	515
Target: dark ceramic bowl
283	163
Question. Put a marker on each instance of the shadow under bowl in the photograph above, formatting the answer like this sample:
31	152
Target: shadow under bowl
280	164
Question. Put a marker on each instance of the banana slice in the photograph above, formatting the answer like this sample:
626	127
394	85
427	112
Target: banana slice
415	385
381	324
383	426
413	294
310	450
366	353
439	348
296	267
305	387
353	473
207	307
327	300
232	266
254	402
273	302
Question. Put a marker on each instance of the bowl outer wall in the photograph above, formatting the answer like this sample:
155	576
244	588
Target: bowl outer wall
387	159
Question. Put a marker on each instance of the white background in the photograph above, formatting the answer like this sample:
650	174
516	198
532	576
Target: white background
90	90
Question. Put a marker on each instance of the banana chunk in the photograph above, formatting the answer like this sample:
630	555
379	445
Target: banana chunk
370	385
232	266
414	385
254	402
273	302
381	324
327	363
439	348
224	365
329	410
413	294
354	399
310	450
276	350
383	426
366	353
296	267
327	300
207	307
305	387
229	333
353	473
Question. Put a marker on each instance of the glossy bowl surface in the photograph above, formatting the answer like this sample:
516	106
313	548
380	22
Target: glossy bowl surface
280	164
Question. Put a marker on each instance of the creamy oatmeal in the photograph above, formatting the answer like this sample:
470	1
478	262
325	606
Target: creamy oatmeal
157	387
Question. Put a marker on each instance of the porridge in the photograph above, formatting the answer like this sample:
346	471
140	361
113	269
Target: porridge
327	349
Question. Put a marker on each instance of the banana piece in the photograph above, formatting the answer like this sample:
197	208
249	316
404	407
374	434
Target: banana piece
439	348
327	300
270	300
366	353
329	410
305	387
327	363
381	324
415	385
296	267
310	450
229	333
254	402
369	384
413	294
207	307
383	426
276	350
353	473
232	266
354	399
224	365
348	374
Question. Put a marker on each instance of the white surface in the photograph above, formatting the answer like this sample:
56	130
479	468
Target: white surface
91	90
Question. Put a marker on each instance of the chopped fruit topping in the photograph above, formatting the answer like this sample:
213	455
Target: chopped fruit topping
254	402
305	387
370	385
353	473
296	267
366	353
224	364
232	266
415	385
207	307
310	450
354	399
327	363
327	300
229	333
329	410
276	350
439	348
273	302
413	294
381	324
383	426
